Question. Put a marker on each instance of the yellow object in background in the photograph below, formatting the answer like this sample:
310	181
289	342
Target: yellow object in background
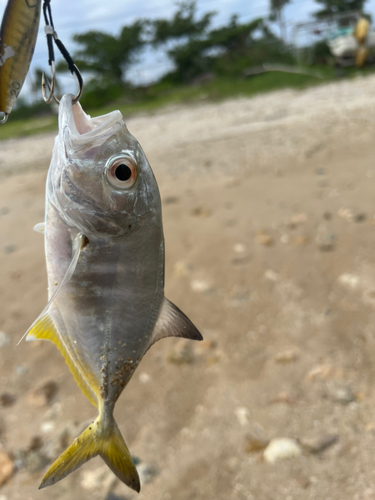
361	56
360	33
361	30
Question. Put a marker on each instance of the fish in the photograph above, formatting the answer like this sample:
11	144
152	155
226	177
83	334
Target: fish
104	248
18	34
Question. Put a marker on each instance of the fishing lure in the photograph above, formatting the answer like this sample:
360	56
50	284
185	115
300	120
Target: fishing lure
18	33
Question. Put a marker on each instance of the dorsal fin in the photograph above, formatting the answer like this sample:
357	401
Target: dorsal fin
44	328
172	322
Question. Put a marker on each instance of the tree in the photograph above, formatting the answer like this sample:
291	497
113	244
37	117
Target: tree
106	56
235	37
187	34
277	13
332	7
182	25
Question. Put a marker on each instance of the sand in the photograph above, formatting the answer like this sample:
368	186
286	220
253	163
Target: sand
270	230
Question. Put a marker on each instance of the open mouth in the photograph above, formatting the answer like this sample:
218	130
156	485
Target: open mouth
81	125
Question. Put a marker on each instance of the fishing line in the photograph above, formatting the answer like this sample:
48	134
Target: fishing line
52	38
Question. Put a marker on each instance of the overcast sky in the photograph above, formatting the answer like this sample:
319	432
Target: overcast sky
110	15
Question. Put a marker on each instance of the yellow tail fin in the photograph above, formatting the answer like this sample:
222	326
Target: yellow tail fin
94	440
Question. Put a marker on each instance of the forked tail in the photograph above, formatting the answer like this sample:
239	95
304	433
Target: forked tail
95	440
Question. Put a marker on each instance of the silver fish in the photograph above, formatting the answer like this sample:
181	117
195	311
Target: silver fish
104	250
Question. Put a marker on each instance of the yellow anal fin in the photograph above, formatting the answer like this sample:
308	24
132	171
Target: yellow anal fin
44	329
93	441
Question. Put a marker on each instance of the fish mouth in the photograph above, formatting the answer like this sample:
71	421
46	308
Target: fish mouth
81	129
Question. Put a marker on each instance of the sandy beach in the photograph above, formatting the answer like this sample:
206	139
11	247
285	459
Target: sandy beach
269	219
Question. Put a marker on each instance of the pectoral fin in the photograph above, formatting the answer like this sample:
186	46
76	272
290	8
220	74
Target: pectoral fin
173	323
80	243
44	328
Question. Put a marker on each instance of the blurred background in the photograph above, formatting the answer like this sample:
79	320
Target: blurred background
258	121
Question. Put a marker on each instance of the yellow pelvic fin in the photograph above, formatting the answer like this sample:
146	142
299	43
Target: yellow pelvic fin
44	329
94	440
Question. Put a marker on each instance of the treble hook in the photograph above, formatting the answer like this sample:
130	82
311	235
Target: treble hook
4	119
48	98
51	88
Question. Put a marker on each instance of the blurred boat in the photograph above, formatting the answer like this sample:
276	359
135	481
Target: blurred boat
349	37
347	42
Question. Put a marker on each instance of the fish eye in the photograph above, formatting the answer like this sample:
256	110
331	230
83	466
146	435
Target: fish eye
121	172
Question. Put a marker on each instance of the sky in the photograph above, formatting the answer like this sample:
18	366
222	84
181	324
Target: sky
82	15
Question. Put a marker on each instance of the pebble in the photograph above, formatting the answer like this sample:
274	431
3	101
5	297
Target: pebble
170	200
283	397
7	399
100	480
44	394
36	443
284	238
287	356
271	275
350	280
360	217
296	220
206	345
4	339
264	238
370	427
325	240
200	286
239	248
240	261
319	443
9	249
280	448
301	241
22	370
345	213
113	496
47	427
254	443
343	395
36	461
242	414
4	210
182	353
324	372
6	467
53	412
147	473
201	212
144	378
182	268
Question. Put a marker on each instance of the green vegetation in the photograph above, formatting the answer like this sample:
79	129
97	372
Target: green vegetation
331	7
163	94
209	64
